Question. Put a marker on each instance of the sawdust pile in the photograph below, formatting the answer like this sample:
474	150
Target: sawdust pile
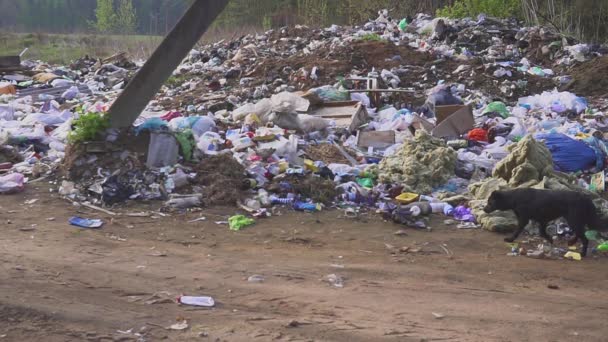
326	153
421	165
529	160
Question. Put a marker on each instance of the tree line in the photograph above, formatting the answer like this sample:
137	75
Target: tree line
146	17
586	19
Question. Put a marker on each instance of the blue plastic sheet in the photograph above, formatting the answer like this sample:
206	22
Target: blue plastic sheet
569	155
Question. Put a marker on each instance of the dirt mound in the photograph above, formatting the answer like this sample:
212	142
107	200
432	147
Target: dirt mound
79	165
360	55
222	177
589	79
381	54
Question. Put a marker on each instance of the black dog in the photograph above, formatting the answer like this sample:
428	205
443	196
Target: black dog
544	206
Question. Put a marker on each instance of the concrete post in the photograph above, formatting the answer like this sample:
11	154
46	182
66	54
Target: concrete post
174	48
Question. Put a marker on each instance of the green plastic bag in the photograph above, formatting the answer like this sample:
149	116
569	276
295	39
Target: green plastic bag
403	25
497	107
593	235
238	222
186	142
366	182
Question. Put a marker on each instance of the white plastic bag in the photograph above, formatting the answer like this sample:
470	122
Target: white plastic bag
286	102
209	143
12	183
309	123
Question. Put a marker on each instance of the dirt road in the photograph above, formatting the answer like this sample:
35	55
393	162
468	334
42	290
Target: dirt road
119	283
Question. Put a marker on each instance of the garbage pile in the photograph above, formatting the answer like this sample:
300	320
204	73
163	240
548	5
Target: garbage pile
404	118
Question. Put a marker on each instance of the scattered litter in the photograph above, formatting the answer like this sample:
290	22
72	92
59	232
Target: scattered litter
256	279
196	301
334	280
438	315
573	256
238	222
182	325
85	223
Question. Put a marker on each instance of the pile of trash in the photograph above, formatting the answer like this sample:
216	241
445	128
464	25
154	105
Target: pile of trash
403	118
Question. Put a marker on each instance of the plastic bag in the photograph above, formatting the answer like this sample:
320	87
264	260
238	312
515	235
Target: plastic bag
54	119
497	107
326	94
550	98
361	97
238	222
7	113
12	183
286	102
289	121
244	110
186	143
71	93
403	25
163	150
569	155
309	123
209	143
203	125
151	124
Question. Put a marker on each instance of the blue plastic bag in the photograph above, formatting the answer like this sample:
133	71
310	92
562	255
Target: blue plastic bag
569	155
85	223
152	124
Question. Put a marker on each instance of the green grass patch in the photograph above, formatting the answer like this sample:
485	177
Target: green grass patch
64	48
371	37
177	80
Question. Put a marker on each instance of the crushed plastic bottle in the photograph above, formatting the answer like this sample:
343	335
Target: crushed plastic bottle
304	206
282	200
196	301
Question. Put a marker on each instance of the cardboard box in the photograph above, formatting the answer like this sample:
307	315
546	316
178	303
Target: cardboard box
376	139
346	114
453	121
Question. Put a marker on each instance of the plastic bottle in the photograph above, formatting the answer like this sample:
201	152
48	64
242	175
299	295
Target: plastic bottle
448	210
185	202
303	206
196	301
420	208
253	204
263	197
278	200
438	207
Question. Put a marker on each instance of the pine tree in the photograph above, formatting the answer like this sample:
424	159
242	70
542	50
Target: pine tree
106	18
126	19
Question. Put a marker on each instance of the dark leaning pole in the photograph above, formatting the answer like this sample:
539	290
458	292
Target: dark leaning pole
167	57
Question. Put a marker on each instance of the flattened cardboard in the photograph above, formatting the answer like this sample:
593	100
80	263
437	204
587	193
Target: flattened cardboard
456	124
376	139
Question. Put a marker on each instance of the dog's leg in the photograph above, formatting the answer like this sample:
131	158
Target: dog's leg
542	231
523	222
585	244
577	224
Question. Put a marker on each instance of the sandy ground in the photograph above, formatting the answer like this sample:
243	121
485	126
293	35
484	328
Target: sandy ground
60	283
